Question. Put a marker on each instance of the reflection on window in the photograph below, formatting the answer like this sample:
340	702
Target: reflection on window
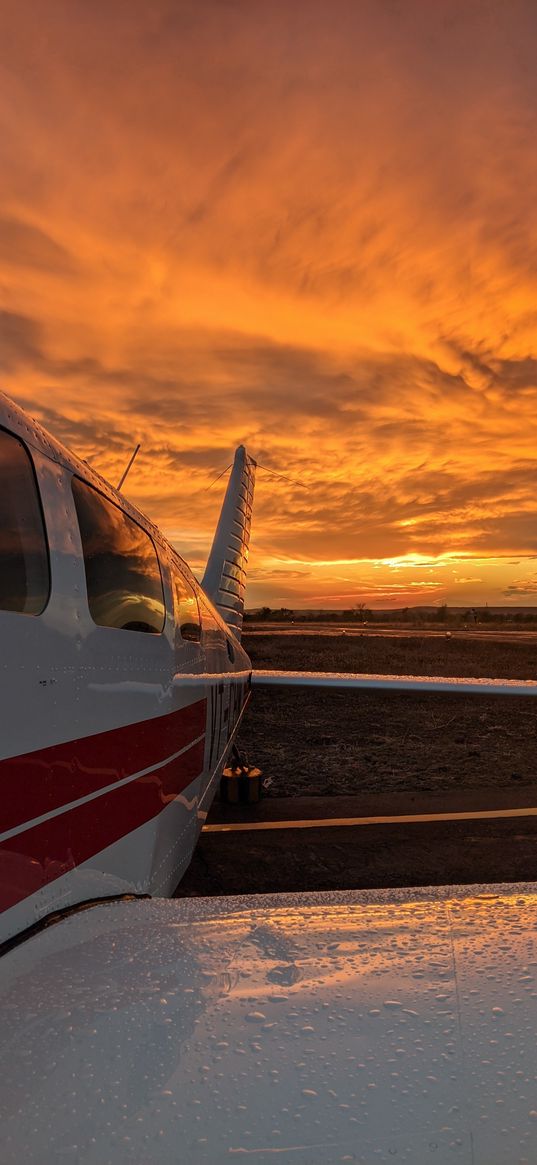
187	617
24	568
122	570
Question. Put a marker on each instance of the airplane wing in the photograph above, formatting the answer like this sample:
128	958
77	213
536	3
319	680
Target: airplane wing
308	1029
349	680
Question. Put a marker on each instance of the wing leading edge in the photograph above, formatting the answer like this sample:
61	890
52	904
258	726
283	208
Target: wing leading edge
350	680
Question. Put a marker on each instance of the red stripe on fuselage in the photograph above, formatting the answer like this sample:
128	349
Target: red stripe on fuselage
39	782
45	852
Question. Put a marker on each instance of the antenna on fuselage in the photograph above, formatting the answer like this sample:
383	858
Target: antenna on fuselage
129	466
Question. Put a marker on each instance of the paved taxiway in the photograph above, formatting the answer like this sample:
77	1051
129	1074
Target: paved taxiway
421	839
492	636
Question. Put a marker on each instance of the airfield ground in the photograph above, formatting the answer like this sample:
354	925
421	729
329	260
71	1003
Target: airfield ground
325	743
367	754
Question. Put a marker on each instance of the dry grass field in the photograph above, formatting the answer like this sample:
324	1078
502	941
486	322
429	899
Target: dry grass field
337	743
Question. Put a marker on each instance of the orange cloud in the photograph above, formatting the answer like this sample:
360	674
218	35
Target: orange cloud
228	223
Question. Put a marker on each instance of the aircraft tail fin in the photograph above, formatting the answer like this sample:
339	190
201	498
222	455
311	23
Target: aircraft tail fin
224	581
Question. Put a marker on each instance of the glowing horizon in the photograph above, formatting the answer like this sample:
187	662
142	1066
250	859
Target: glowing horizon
228	224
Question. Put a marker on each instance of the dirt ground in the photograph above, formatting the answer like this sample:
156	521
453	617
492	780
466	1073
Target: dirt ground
334	743
336	755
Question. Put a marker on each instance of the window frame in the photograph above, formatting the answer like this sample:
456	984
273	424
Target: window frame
34	475
109	626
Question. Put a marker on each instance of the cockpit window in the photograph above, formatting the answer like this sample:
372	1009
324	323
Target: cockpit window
187	617
24	564
122	569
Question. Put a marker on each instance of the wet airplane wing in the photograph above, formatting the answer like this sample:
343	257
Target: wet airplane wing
354	1026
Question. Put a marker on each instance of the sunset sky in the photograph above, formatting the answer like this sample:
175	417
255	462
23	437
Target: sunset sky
305	225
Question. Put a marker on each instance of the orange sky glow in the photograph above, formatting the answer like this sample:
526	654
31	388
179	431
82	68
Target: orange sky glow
308	227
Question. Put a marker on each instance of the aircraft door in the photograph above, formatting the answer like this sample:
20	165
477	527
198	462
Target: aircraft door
220	718
217	660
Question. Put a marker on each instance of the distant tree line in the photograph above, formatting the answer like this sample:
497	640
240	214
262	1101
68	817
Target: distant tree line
409	616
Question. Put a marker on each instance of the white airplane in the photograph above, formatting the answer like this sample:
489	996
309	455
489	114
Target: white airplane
364	1026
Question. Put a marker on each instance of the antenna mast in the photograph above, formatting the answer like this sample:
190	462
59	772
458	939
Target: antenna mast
129	466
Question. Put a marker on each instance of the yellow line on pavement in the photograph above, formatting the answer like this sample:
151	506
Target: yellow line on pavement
399	819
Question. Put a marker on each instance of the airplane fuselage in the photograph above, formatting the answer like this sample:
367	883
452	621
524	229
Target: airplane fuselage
121	688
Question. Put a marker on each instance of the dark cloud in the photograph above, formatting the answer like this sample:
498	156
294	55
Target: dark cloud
217	186
204	458
511	374
512	532
20	341
516	374
24	245
94	436
528	589
522	587
285	574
